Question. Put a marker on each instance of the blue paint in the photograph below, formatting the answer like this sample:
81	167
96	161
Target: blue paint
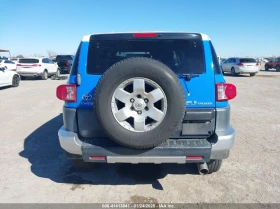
202	87
199	91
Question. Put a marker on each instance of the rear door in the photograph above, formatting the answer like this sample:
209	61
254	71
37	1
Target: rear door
5	77
188	55
225	65
64	60
249	63
233	62
10	65
28	65
52	66
2	76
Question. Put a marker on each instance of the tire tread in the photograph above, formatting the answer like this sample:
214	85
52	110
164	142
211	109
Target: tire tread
97	91
214	165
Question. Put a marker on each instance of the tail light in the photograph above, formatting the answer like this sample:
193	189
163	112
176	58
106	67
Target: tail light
193	157
225	91
257	64
97	158
240	64
143	35
67	92
67	63
19	64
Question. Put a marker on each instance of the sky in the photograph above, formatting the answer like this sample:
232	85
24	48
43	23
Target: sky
236	27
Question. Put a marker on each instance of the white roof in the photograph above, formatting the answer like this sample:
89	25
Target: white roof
33	58
87	37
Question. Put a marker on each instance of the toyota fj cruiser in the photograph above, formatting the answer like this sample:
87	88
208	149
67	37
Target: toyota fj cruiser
147	98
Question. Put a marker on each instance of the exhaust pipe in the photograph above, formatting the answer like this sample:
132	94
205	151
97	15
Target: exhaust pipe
202	168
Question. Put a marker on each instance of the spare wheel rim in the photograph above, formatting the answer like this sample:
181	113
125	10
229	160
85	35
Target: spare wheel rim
139	104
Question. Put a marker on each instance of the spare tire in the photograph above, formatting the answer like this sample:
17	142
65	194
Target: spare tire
139	102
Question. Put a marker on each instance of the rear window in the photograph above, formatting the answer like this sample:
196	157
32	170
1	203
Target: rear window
183	56
63	57
247	60
28	61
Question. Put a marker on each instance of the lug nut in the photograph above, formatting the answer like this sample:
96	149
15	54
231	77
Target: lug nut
138	96
146	100
132	100
139	112
146	108
132	108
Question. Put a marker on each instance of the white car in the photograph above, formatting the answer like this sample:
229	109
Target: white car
37	67
8	64
8	78
239	65
15	60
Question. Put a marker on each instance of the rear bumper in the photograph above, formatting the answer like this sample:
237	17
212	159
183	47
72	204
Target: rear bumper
245	70
30	74
64	69
172	151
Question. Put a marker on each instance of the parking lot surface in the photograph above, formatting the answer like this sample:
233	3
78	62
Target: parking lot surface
34	168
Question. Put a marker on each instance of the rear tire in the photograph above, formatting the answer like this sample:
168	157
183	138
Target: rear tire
233	72
57	73
253	74
45	75
16	81
214	166
277	68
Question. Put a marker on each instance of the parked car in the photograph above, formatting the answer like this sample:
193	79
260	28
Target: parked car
15	60
8	78
37	67
64	62
3	58
239	65
265	60
273	63
8	64
53	59
223	60
154	99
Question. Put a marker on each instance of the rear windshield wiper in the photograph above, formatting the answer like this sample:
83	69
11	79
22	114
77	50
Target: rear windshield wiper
187	77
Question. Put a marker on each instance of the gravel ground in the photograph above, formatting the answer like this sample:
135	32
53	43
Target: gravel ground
35	170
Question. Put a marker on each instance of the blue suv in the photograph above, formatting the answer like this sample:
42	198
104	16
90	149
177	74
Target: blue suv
147	98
